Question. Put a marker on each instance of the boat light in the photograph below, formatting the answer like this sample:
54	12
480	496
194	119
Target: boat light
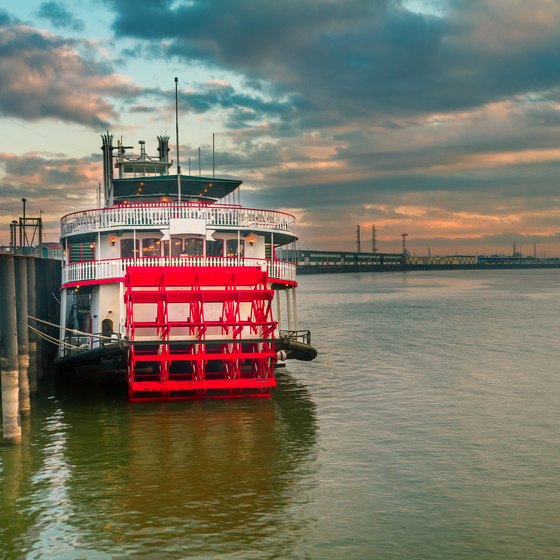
113	241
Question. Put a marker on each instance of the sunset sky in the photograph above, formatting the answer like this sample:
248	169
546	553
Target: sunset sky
439	118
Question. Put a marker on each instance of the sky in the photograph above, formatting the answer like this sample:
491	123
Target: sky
436	118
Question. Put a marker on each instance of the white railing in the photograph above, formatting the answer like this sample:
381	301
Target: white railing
116	268
159	214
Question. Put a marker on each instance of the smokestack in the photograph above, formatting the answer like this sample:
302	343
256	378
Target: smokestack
107	147
373	240
163	148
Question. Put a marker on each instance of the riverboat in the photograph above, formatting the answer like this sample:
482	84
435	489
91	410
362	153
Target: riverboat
175	286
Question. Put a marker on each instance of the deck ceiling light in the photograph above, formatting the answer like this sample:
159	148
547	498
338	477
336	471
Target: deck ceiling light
113	241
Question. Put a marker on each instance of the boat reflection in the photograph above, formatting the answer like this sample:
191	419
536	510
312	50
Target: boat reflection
175	479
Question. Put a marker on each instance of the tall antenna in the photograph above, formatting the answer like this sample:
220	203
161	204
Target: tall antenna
213	161
199	166
177	137
358	243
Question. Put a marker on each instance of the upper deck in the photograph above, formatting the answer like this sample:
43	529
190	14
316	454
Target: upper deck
158	215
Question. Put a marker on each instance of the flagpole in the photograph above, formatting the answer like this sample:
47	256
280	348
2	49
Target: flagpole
177	136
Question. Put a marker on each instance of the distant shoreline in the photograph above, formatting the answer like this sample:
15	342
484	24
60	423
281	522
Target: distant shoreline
327	269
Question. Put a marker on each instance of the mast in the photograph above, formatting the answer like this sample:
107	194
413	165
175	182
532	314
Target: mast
177	136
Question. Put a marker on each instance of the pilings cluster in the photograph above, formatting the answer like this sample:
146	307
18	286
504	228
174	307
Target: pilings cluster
29	287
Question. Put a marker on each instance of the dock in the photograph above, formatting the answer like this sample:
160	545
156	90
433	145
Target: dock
29	288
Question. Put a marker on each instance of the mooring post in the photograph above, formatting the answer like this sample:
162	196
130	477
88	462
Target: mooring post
20	269
32	311
9	352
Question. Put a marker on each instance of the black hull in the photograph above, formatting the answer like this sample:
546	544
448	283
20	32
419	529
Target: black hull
104	358
296	350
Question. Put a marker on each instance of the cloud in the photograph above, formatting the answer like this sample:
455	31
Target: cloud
45	76
52	184
243	109
59	16
438	122
359	58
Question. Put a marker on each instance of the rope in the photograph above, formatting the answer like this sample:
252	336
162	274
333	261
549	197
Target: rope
53	340
73	331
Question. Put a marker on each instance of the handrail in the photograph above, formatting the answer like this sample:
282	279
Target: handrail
300	336
159	214
116	268
76	343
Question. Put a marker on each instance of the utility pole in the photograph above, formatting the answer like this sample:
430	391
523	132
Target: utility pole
22	232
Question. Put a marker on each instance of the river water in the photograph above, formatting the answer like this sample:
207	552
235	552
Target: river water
428	427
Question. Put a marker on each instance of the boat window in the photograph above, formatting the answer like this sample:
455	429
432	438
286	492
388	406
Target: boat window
193	247
215	248
176	247
81	252
151	247
128	249
232	248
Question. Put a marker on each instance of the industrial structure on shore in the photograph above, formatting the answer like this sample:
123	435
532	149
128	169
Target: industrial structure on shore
316	261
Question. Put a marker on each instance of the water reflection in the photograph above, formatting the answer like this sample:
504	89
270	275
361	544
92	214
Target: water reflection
110	479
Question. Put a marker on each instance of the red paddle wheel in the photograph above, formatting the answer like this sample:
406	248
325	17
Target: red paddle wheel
200	332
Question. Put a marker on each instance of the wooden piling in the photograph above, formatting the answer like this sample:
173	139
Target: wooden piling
9	352
32	311
20	269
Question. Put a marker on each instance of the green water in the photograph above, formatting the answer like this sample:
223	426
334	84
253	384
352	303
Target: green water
428	427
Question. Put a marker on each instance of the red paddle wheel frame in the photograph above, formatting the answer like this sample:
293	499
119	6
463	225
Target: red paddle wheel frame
204	332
